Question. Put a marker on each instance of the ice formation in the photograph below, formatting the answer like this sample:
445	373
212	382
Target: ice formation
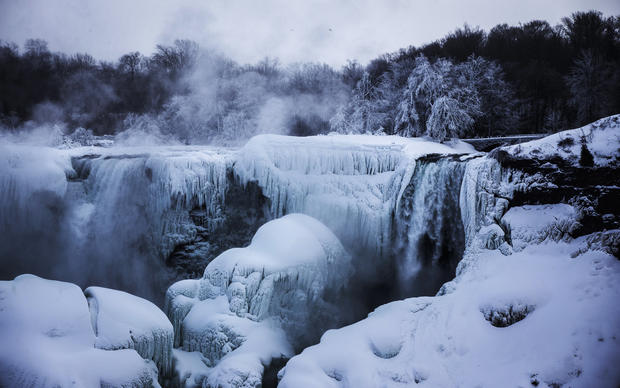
531	303
254	304
350	183
48	341
123	321
430	238
157	187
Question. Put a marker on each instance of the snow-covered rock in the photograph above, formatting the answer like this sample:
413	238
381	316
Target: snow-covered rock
256	303
537	317
123	321
48	341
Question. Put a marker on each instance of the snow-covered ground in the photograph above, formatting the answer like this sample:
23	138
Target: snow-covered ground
602	138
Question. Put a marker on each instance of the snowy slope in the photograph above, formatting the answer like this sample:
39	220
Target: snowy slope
569	335
602	138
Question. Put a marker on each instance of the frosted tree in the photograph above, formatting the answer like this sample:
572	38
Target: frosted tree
448	119
425	84
365	112
406	120
486	96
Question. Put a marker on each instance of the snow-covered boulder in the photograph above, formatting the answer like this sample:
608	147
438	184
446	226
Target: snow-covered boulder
535	318
47	340
124	321
256	303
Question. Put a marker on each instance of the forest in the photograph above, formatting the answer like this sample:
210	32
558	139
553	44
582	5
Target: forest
529	78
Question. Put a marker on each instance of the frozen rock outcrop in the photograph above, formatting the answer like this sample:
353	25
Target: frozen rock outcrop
48	341
124	321
254	304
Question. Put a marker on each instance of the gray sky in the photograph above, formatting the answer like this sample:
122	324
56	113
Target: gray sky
321	30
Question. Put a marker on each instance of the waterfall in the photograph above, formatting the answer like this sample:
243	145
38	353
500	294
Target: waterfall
430	237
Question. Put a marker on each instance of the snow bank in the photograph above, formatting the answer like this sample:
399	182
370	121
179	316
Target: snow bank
253	304
123	321
351	183
47	340
602	137
563	329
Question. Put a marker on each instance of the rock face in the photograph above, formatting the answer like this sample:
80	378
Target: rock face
260	302
48	341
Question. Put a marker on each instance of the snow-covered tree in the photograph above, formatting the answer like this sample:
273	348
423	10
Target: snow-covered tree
448	119
492	103
407	119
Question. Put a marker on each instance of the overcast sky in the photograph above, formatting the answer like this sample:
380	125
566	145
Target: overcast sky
321	30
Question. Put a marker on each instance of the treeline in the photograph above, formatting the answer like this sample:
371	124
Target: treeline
514	79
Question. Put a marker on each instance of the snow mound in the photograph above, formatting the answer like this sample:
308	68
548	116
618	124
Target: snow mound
256	303
557	325
351	183
602	138
535	223
123	321
47	340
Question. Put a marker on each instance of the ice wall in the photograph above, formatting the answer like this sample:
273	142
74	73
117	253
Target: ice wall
97	215
350	183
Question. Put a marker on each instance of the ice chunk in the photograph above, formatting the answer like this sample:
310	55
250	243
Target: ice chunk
124	321
47	340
